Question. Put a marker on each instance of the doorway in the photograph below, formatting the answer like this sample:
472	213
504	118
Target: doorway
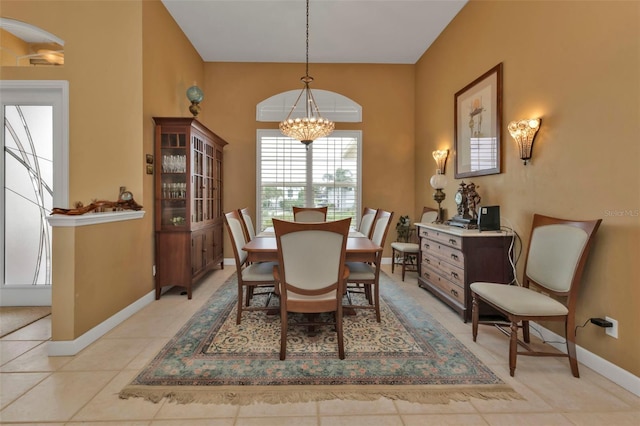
34	179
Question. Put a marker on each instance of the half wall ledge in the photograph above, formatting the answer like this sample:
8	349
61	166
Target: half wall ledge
93	218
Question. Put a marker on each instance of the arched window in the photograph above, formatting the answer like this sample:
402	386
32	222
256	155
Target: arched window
326	174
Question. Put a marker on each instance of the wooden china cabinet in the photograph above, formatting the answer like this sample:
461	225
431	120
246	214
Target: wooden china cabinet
188	202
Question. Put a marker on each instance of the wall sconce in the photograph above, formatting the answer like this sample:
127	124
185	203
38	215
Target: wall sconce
195	95
441	159
524	132
439	180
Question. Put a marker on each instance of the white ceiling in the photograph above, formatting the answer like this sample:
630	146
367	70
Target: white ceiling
340	31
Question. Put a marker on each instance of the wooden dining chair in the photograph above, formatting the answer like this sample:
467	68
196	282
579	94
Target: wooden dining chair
557	254
250	276
310	214
311	272
406	253
365	277
247	224
366	221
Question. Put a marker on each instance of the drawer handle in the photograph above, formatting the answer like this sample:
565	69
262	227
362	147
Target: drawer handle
454	256
427	246
454	292
452	241
426	275
454	274
428	261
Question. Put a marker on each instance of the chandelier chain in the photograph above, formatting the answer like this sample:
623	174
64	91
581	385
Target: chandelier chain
307	68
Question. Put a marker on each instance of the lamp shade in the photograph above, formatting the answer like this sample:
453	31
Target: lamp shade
438	181
195	94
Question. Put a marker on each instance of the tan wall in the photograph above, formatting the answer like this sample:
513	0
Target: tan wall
576	65
385	92
99	270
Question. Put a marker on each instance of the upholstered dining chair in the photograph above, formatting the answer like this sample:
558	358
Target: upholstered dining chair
250	276
557	254
311	272
247	224
310	214
406	253
366	276
366	221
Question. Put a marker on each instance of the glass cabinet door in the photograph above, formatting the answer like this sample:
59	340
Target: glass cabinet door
198	179
173	180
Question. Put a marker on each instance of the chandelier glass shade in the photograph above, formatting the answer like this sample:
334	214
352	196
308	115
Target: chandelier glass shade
312	126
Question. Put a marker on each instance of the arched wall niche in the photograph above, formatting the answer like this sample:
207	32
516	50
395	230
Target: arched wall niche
333	106
25	45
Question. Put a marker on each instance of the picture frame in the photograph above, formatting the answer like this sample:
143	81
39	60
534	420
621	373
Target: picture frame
477	126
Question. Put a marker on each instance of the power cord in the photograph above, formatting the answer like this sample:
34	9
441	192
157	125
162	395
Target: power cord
513	258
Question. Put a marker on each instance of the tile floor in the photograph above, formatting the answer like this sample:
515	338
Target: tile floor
83	389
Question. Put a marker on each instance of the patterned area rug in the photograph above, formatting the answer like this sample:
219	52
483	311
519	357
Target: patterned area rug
407	356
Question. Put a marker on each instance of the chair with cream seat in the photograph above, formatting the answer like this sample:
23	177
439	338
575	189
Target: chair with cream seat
557	254
406	253
310	214
311	273
247	224
250	276
366	221
365	277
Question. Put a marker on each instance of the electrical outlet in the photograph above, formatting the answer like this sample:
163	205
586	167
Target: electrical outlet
612	331
153	270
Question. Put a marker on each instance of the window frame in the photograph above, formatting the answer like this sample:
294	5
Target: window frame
309	197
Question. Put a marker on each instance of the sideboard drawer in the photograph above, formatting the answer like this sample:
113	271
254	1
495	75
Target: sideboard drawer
442	237
451	289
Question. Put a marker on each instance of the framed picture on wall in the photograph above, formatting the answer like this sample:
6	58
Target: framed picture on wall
477	125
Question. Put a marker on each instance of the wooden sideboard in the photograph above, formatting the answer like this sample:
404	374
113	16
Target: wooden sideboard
453	258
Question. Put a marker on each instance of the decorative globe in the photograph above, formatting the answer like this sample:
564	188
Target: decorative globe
195	94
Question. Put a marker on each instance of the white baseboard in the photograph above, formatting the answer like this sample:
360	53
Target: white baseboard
600	365
72	347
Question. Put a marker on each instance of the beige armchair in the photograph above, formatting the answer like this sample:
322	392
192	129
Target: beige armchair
366	221
311	272
365	277
247	224
557	254
250	276
309	214
406	253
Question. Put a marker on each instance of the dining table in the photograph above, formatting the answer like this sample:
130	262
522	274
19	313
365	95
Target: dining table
263	248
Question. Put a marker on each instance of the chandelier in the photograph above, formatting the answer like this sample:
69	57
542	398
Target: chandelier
312	126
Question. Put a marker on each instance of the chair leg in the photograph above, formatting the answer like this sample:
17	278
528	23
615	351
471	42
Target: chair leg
240	298
283	334
393	259
475	317
404	264
571	348
525	332
513	348
376	300
339	331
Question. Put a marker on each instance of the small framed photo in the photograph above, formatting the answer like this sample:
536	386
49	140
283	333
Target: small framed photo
149	159
477	125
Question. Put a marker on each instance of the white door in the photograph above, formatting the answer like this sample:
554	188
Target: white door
34	180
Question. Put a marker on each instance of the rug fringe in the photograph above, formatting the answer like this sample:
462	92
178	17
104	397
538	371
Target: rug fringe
239	396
